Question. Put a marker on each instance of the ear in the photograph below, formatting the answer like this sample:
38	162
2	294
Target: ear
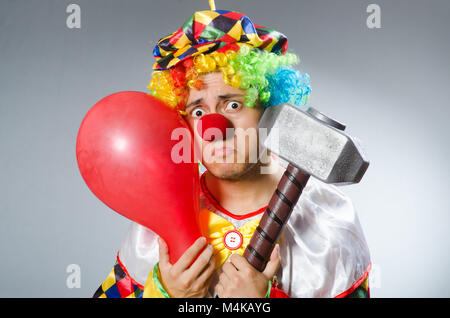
260	107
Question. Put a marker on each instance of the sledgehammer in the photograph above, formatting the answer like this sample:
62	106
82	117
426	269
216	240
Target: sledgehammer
313	145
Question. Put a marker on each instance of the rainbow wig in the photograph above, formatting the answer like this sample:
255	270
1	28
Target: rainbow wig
263	75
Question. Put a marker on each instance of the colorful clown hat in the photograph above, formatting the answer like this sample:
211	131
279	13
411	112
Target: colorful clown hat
215	30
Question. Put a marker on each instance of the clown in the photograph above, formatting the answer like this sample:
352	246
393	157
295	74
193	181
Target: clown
219	62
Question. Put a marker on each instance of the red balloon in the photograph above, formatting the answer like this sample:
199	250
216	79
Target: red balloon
124	150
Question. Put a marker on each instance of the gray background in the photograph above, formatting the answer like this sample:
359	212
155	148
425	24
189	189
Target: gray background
389	85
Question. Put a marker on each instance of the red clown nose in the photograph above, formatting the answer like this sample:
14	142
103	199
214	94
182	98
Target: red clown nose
220	124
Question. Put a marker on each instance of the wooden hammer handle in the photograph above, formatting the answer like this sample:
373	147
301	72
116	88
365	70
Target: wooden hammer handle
275	217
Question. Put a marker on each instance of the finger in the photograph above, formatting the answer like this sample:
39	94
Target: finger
207	272
201	262
186	259
224	280
163	254
273	263
239	262
229	269
219	290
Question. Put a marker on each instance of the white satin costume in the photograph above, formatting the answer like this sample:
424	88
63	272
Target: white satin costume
322	248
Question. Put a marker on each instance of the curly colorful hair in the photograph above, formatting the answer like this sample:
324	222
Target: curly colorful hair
267	76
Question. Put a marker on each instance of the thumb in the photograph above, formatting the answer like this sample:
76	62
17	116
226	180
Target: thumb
273	263
163	254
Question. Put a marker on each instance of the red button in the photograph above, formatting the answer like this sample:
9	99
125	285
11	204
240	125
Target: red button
233	240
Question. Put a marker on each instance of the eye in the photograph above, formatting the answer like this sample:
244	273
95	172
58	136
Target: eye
197	112
233	106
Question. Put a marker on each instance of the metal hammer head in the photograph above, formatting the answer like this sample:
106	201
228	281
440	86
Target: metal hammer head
314	143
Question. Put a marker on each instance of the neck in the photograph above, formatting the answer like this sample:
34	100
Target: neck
247	194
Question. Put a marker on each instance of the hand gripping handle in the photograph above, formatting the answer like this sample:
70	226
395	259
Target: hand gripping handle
275	217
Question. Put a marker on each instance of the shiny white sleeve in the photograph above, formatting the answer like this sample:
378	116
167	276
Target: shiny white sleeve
323	250
139	252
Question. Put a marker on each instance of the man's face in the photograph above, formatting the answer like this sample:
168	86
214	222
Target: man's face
235	156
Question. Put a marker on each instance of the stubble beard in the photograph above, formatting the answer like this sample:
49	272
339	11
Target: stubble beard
233	171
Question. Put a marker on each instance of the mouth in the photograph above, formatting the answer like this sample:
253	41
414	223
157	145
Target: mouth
222	151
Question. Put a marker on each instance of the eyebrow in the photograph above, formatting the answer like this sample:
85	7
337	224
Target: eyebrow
226	96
